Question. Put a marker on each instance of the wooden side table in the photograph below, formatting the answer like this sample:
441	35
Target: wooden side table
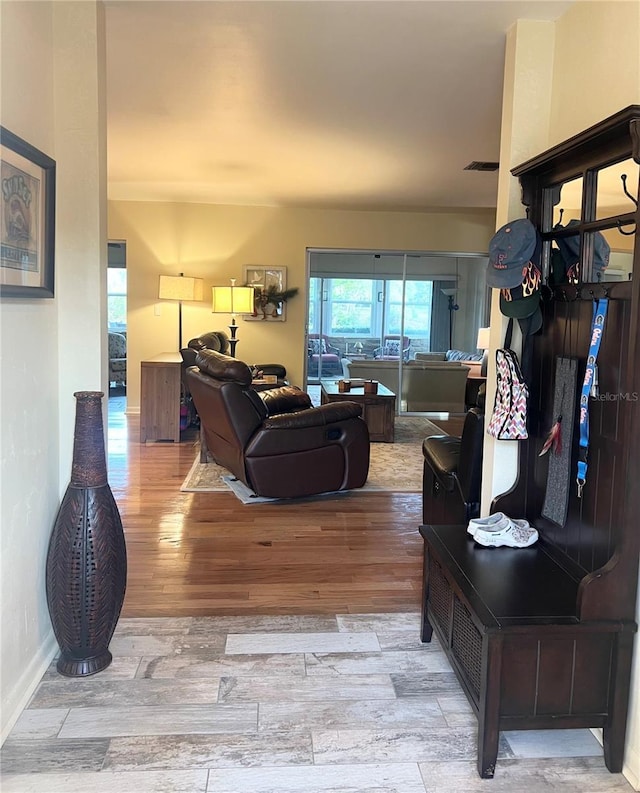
160	381
378	410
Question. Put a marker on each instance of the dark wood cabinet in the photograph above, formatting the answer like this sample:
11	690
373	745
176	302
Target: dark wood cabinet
542	637
378	410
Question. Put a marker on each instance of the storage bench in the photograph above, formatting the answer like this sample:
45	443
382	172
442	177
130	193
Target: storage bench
508	621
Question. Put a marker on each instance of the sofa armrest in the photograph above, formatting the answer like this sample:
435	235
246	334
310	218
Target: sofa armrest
314	417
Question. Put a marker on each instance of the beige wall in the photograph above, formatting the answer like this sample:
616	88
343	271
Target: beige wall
596	65
216	242
50	348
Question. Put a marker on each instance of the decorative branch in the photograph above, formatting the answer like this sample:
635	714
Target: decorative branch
272	295
269	300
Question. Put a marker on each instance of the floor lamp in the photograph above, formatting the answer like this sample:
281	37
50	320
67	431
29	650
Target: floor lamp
232	300
452	306
180	288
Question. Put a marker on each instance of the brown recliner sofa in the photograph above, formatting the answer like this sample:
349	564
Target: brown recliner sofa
275	441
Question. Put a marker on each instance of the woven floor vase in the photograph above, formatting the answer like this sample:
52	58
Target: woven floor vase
87	559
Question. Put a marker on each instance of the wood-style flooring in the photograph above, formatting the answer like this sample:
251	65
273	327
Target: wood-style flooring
196	554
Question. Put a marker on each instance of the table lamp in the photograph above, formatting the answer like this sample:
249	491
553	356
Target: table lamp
232	300
483	344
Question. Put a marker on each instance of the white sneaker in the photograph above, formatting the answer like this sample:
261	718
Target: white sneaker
513	536
496	522
491	523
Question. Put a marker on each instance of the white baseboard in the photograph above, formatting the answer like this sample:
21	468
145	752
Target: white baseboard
133	411
631	767
27	684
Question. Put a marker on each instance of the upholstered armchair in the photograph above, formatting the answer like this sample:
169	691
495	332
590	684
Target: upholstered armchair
323	358
392	347
117	359
275	441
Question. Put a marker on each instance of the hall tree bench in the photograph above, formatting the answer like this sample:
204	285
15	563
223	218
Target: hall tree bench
508	619
542	637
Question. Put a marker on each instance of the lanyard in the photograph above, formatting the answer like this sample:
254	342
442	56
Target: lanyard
597	328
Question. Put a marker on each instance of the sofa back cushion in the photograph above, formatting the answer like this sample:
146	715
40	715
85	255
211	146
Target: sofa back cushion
216	340
222	367
461	355
392	347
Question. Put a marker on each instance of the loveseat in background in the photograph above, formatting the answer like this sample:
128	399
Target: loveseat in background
427	386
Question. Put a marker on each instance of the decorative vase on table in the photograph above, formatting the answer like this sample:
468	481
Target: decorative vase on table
87	560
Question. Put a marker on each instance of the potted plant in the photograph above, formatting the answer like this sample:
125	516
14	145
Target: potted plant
268	300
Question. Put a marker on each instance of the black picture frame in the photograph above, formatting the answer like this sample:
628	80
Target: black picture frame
27	219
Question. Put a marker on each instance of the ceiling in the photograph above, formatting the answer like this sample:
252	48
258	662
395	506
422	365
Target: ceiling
358	104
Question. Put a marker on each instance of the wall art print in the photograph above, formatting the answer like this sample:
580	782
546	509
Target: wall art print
27	219
270	285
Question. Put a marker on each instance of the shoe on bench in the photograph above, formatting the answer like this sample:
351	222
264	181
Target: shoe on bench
495	522
513	536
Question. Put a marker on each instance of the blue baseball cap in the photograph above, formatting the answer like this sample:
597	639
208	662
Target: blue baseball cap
510	252
521	301
570	248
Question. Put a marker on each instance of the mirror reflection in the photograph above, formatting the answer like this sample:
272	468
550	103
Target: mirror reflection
611	199
570	203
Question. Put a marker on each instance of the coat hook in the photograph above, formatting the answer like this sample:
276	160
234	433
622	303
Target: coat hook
561	212
620	224
623	177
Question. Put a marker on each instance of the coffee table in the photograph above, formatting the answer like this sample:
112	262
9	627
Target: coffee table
378	410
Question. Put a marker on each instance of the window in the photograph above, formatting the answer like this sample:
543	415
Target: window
351	309
117	299
418	298
367	307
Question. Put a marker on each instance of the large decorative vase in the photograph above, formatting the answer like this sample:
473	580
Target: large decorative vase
87	558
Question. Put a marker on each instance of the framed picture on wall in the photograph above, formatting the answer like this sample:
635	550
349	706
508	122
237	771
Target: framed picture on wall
27	219
270	286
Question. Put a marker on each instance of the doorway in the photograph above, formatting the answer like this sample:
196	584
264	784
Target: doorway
392	307
117	323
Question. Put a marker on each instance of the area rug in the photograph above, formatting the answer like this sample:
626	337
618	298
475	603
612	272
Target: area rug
394	467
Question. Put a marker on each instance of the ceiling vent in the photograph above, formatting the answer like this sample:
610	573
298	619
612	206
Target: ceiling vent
477	165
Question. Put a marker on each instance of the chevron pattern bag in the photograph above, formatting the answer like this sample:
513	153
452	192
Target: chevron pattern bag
509	418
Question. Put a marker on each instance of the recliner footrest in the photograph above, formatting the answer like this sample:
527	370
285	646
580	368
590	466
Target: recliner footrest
442	453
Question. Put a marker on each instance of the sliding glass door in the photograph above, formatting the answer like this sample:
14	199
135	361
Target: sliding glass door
374	312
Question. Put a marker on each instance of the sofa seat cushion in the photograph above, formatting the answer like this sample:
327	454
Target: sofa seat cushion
442	453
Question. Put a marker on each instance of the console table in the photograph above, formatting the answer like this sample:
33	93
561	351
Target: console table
160	389
378	410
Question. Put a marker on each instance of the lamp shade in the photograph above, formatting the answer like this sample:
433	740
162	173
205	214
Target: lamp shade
180	287
483	338
232	300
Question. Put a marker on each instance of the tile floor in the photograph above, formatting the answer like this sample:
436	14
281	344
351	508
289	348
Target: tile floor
352	704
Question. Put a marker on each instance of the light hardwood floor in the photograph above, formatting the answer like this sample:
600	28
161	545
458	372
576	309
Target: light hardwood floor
194	554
